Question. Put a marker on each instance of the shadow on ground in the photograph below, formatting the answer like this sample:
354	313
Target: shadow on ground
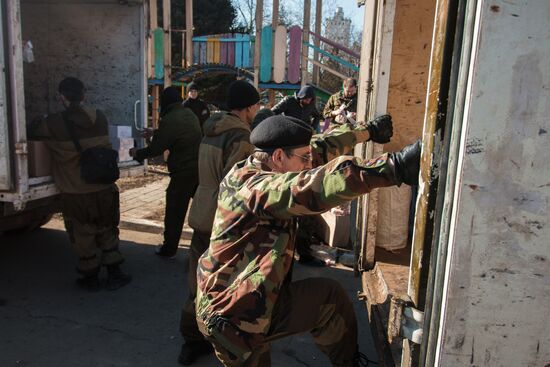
46	321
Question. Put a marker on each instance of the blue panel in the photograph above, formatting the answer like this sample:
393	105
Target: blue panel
238	51
246	51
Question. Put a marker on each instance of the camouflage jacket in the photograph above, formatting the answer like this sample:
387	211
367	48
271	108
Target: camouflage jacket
336	142
252	244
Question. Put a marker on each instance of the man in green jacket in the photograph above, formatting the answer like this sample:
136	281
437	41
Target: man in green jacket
90	211
226	141
245	297
179	132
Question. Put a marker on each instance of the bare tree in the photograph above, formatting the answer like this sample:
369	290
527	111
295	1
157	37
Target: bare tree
247	12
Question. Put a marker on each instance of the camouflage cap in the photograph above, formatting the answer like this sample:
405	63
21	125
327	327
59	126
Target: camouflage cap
280	132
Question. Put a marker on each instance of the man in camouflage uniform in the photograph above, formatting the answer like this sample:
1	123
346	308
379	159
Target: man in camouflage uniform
245	298
91	211
342	103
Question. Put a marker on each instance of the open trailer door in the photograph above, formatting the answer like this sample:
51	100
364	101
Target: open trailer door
5	167
394	79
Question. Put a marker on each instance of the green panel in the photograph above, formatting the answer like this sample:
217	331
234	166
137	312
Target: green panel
158	38
266	54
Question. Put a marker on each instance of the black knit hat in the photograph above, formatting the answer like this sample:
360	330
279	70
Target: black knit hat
72	88
241	94
193	86
169	96
306	91
260	116
280	132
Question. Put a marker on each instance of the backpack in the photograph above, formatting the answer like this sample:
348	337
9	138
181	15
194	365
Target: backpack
98	165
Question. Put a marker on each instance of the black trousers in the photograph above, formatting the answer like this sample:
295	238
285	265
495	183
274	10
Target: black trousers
180	190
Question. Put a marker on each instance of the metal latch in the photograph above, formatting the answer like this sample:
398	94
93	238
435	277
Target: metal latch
21	148
405	321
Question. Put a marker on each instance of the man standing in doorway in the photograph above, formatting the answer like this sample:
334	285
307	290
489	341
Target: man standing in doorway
90	211
179	132
226	141
197	105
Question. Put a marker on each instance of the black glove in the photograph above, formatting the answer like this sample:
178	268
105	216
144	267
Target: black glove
407	163
380	129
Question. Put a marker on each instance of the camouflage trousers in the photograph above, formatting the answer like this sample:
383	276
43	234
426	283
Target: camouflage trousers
188	322
91	221
316	305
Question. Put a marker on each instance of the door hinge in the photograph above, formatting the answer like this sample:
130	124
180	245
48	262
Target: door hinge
405	321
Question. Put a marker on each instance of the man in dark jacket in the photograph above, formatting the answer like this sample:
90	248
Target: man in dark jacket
226	141
179	132
342	103
90	211
300	106
196	104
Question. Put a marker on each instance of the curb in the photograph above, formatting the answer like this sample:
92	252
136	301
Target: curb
149	226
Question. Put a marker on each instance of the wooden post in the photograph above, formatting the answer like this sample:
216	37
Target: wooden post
189	32
153	24
257	44
167	27
305	38
155	110
366	217
317	42
271	96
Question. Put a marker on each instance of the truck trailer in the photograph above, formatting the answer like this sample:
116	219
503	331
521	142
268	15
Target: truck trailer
100	42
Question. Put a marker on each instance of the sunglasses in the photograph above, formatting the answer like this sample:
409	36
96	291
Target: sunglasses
304	158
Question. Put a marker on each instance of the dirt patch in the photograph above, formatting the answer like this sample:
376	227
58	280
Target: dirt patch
154	174
157	214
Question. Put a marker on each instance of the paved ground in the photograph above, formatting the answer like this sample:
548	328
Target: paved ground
46	321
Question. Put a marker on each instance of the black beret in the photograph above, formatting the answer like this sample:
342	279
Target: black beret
241	94
193	86
280	132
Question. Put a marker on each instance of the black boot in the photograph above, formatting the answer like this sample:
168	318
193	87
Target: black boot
191	351
162	251
116	278
89	283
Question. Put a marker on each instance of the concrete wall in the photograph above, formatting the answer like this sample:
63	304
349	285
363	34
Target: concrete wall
96	41
497	283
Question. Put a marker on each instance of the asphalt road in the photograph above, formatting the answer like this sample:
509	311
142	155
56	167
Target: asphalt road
46	321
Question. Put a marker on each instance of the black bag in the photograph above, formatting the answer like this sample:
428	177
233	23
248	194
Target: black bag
98	165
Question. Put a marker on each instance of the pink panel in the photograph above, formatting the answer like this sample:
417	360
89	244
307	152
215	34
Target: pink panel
294	54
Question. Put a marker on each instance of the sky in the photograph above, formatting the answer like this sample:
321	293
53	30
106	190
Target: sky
352	11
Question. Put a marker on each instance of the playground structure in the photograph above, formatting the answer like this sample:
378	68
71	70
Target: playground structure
275	59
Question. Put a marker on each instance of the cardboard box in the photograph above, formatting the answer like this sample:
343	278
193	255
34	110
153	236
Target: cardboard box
39	159
120	131
123	147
